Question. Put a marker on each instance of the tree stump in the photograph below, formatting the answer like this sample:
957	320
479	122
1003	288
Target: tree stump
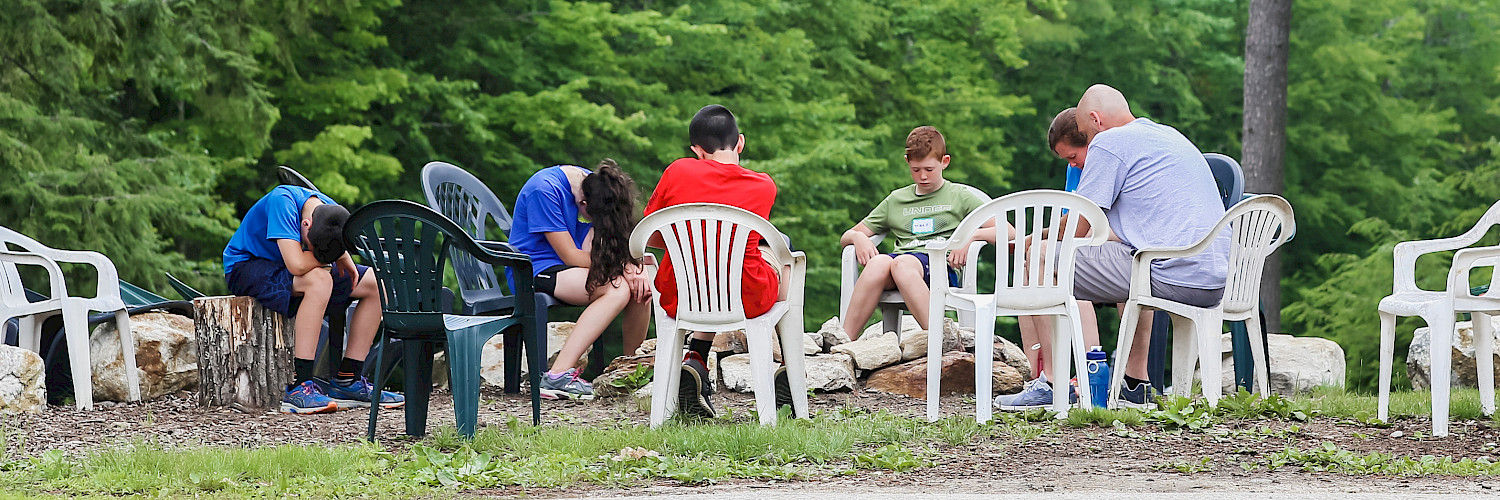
244	353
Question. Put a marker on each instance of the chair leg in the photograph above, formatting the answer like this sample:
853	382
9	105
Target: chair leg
417	358
514	344
1210	355
379	384
934	360
1484	348
665	378
29	333
984	368
127	351
1122	351
1184	356
464	347
1441	322
791	354
1080	359
762	373
537	364
1258	354
1387	353
890	319
1062	343
76	332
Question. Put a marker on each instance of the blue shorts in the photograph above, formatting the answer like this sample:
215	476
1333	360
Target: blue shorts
927	270
270	283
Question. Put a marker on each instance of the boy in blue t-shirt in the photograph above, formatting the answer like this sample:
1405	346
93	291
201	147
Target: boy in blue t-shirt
289	254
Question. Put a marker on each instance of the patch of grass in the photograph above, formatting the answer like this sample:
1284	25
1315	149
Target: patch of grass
1335	402
149	468
1205	464
1331	458
1104	417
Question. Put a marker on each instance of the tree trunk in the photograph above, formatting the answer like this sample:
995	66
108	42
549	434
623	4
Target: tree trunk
1266	52
244	353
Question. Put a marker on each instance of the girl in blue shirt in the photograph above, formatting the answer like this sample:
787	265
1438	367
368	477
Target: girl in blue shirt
575	224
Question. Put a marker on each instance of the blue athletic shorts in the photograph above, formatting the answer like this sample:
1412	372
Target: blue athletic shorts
270	283
927	270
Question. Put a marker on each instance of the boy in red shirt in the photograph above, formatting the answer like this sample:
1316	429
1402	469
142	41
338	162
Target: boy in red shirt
715	176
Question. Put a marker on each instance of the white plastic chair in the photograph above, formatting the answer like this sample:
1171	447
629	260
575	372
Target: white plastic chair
1438	309
1259	225
75	310
1022	288
714	237
890	302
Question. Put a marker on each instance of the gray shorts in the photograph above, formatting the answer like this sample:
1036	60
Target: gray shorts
1102	274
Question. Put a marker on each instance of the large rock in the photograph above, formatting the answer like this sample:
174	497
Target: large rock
1297	363
492	355
825	372
647	346
1011	354
166	357
872	351
22	381
832	332
910	378
619	369
908	324
812	343
1464	370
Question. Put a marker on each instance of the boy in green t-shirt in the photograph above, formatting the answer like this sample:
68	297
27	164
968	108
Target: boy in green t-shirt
928	210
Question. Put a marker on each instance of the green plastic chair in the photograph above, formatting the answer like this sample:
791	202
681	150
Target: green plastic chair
407	245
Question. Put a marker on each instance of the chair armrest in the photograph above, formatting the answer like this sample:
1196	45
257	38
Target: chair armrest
849	273
971	268
796	279
54	274
1407	252
1467	260
1140	271
498	246
108	288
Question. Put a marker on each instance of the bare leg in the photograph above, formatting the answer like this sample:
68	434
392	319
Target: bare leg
315	287
1037	331
1140	347
874	279
366	322
907	273
606	302
638	318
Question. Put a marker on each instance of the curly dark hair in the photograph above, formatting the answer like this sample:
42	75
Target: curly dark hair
610	194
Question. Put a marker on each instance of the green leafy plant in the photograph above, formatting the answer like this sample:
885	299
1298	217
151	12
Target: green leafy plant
889	457
634	380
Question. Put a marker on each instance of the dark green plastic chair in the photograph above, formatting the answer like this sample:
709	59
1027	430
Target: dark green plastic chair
407	245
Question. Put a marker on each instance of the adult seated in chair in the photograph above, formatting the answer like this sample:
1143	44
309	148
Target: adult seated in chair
289	254
1157	191
583	263
927	210
714	175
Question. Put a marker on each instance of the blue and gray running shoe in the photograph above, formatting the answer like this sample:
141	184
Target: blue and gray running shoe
566	385
357	395
306	397
1036	394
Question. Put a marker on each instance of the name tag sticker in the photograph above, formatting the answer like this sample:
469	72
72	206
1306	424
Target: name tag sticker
923	225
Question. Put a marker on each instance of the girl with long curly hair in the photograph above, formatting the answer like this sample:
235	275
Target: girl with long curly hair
575	224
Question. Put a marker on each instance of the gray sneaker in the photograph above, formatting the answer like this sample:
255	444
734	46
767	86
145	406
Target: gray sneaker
1141	397
566	385
1036	394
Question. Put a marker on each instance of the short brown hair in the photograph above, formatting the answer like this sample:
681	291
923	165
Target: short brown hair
1065	128
925	142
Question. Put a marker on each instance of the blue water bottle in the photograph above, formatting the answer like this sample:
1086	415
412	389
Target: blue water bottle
1098	370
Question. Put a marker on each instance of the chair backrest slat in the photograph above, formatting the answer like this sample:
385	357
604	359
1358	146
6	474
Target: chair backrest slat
1258	226
465	200
1042	274
706	244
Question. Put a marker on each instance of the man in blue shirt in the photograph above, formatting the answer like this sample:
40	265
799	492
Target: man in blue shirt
289	254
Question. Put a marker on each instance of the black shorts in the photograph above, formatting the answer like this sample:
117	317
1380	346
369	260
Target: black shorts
270	283
546	281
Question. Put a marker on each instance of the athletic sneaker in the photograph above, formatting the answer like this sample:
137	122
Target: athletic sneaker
357	394
1142	396
566	385
694	389
306	397
783	388
1036	394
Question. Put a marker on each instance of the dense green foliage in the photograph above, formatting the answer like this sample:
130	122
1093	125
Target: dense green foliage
142	129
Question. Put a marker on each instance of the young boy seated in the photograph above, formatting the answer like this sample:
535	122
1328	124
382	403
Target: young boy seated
289	254
928	210
714	175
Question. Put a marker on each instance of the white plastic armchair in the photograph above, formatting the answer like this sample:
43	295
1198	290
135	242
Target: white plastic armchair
75	310
890	302
1258	226
1438	308
714	237
1035	279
